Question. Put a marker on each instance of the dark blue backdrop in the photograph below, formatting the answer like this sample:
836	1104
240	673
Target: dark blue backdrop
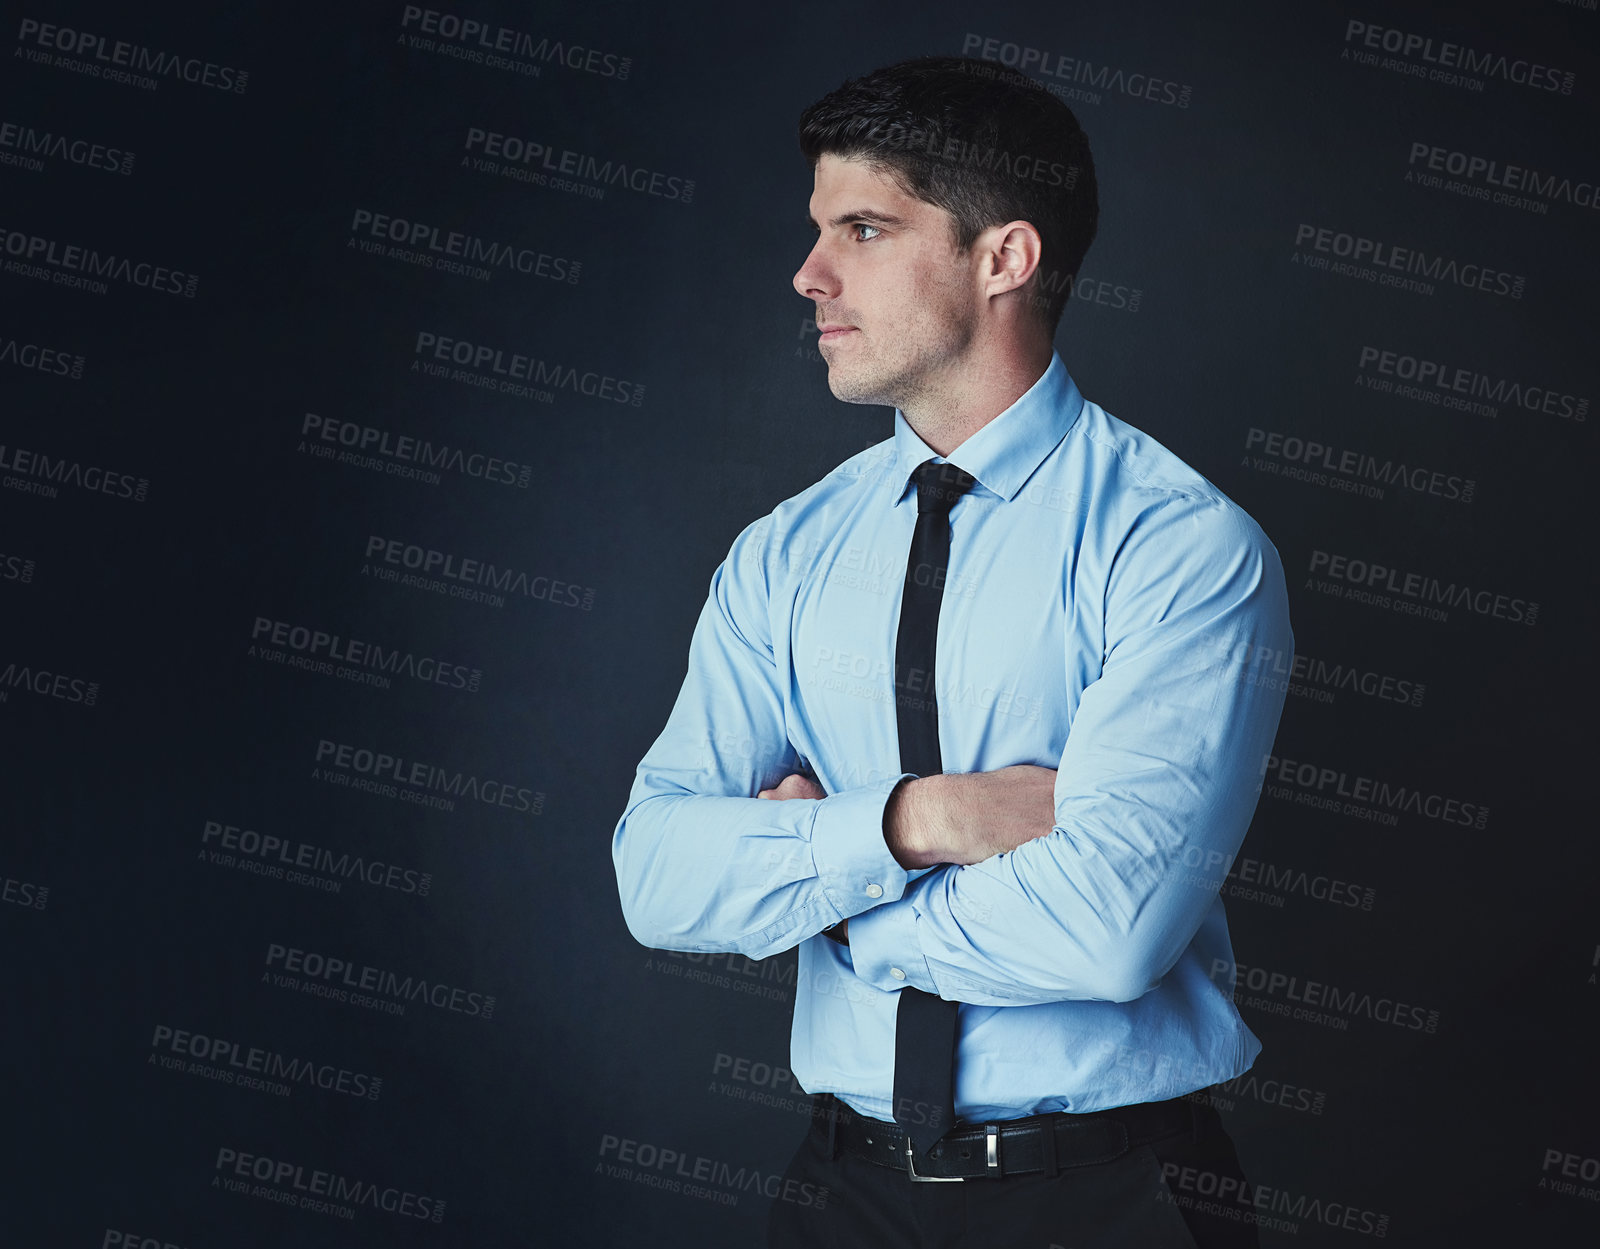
310	315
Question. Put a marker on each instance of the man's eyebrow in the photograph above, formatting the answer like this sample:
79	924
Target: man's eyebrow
868	215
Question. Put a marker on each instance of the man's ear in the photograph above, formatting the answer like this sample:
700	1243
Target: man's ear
1010	255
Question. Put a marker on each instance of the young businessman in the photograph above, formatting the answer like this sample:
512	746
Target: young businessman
972	722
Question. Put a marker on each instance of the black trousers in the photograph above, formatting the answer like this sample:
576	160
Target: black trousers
1157	1196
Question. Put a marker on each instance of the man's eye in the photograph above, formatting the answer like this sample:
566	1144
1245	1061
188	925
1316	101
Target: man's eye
861	225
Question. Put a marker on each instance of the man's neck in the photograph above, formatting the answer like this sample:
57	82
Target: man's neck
976	391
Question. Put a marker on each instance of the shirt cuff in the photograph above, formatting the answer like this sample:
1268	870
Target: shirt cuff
884	949
851	858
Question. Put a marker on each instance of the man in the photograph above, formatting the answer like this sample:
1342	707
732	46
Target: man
972	722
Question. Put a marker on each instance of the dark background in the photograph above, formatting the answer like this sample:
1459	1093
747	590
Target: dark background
1197	321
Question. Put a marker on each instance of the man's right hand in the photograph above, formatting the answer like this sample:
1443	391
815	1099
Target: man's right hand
967	817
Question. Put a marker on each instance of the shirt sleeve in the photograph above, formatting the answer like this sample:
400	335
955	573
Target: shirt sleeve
1155	788
701	862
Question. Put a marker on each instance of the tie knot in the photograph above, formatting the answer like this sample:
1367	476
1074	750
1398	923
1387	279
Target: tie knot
940	485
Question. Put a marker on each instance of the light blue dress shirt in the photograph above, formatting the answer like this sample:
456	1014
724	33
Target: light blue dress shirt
1107	612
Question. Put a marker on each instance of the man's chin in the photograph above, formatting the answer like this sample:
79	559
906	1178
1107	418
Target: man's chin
853	389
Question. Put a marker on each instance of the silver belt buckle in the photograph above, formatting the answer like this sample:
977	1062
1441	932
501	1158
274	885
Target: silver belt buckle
911	1170
991	1160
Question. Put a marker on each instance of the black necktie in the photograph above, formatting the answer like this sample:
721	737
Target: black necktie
925	1025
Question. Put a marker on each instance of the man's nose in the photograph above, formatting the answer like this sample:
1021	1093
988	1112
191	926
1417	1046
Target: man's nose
815	279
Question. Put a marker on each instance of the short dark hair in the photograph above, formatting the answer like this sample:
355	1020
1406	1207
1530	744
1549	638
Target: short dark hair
985	143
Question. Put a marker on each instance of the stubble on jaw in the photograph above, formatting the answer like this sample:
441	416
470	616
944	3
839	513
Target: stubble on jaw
915	374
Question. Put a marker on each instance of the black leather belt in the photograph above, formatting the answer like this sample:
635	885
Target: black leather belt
1047	1143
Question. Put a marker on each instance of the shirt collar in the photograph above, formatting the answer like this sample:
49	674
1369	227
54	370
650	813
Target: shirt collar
1006	451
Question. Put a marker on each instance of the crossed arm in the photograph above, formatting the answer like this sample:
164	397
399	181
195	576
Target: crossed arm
1083	882
954	818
